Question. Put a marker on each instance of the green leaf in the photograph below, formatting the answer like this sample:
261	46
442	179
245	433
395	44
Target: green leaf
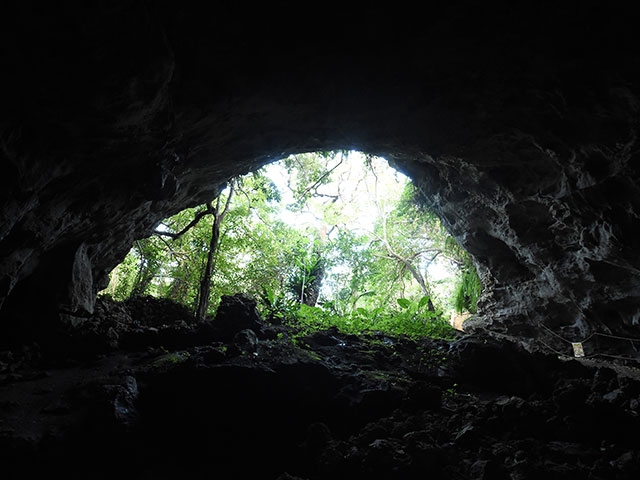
404	303
423	301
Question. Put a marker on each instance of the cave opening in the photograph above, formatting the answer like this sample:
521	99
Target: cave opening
117	115
324	237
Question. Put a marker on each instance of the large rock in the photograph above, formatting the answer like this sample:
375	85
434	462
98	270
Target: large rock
518	122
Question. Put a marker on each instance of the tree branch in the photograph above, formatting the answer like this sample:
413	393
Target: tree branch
322	177
189	226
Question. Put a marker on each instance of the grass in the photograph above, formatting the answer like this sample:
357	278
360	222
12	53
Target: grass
411	322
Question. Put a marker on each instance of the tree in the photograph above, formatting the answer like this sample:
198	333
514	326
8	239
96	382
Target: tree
182	267
205	283
409	244
309	268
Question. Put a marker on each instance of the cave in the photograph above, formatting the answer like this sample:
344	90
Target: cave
518	122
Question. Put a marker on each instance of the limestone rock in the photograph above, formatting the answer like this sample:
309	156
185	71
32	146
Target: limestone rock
519	125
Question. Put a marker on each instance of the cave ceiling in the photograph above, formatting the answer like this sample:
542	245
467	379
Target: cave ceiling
519	123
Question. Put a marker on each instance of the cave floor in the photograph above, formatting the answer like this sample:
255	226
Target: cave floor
321	406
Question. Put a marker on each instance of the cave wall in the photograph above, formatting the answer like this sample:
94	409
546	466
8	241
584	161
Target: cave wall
518	122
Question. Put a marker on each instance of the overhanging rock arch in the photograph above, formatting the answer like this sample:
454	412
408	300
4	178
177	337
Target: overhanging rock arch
520	130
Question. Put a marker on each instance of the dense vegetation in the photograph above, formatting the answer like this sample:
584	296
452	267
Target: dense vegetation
319	239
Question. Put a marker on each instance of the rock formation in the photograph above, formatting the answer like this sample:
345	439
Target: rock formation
518	121
162	398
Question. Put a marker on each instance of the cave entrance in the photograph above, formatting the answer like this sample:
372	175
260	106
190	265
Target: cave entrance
328	238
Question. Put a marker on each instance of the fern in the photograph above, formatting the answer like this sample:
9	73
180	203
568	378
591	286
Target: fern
412	320
468	290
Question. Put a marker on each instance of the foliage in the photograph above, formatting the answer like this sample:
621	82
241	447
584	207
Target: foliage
303	239
275	306
412	320
467	290
308	271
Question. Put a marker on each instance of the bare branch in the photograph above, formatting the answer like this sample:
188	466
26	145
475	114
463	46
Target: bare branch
316	184
190	225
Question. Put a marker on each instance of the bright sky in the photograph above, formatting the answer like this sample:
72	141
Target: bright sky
355	185
358	187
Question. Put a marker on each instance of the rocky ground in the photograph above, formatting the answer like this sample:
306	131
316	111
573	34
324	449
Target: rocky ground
141	392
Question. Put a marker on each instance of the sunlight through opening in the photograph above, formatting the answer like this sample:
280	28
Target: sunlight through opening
317	236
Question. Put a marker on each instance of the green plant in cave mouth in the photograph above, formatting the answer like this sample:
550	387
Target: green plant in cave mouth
306	279
275	305
413	319
468	289
309	232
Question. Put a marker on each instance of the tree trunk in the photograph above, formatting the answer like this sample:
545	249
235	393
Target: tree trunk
141	284
406	263
205	284
144	276
204	291
311	291
419	278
